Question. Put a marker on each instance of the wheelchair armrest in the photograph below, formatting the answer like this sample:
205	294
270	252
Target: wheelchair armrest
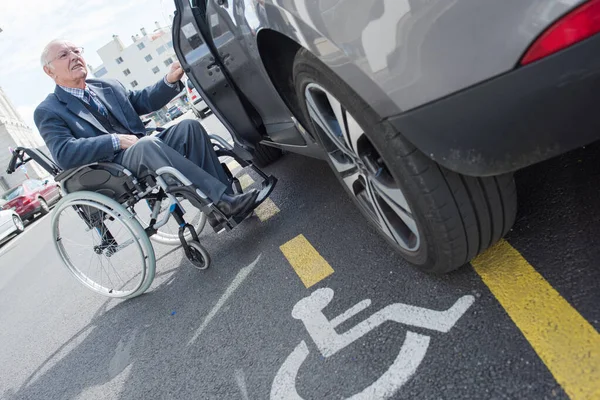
113	168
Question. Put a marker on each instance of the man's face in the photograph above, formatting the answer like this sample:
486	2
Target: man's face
66	64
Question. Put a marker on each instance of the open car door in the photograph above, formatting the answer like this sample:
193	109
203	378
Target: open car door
208	68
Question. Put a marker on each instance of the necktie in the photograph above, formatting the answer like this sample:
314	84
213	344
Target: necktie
89	98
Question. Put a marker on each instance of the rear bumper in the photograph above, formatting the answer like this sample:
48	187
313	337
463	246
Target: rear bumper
200	105
27	212
515	120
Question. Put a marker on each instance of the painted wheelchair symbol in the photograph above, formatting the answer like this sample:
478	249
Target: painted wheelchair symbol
322	331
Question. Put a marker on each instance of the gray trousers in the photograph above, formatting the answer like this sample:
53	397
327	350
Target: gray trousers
185	147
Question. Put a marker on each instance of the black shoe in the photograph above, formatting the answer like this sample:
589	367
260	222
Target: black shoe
237	205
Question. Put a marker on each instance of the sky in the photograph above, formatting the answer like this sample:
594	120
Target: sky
29	25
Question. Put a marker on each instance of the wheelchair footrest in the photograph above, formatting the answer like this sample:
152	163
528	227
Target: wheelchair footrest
219	224
267	187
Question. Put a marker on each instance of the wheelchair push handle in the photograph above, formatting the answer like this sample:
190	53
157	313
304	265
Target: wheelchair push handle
17	160
22	155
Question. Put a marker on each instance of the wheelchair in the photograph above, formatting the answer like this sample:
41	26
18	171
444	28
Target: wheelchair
102	227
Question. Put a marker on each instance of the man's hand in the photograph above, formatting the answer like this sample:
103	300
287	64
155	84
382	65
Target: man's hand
127	141
175	73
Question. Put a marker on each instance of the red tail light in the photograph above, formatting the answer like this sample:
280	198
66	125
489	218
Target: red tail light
579	24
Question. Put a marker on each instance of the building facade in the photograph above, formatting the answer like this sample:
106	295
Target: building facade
14	133
140	64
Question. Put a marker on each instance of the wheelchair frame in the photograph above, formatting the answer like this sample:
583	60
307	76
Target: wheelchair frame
112	187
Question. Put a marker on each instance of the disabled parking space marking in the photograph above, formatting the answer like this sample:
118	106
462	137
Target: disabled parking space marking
329	342
310	266
568	345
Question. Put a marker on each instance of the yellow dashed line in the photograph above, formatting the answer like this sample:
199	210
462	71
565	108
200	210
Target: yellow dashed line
266	210
232	165
306	261
245	181
562	338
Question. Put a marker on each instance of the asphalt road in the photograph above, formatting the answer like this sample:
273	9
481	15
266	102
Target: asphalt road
228	332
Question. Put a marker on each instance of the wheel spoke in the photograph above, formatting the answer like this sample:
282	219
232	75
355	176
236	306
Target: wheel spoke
393	195
352	132
351	177
321	114
396	201
317	115
379	214
342	167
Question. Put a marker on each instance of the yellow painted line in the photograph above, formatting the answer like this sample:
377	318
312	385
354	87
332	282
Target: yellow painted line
306	261
266	210
245	181
232	165
562	338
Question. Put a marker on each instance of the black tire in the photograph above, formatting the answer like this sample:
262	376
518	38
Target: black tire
457	216
197	113
44	210
200	258
265	155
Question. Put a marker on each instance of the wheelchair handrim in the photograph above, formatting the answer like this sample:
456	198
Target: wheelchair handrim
119	213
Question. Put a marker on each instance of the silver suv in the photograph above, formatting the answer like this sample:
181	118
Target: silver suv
423	108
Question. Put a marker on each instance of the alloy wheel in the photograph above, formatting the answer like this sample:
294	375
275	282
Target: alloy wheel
361	168
18	224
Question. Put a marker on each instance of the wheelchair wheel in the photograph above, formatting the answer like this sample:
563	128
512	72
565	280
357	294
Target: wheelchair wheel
103	245
199	257
168	233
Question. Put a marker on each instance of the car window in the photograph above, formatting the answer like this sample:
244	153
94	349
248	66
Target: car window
190	85
13	193
32	184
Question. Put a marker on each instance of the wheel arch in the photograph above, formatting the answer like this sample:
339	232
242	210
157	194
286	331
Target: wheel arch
277	52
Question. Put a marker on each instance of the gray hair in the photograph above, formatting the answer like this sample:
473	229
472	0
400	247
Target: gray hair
46	51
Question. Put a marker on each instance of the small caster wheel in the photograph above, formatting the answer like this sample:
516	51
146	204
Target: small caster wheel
198	255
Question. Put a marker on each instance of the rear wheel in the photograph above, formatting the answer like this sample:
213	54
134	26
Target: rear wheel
437	219
265	155
197	113
44	208
103	245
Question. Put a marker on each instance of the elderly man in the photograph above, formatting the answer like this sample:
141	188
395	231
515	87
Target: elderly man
89	120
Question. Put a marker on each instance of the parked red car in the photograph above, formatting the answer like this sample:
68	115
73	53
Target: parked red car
31	197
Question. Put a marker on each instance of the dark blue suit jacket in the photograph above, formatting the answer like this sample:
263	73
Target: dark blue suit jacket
74	136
